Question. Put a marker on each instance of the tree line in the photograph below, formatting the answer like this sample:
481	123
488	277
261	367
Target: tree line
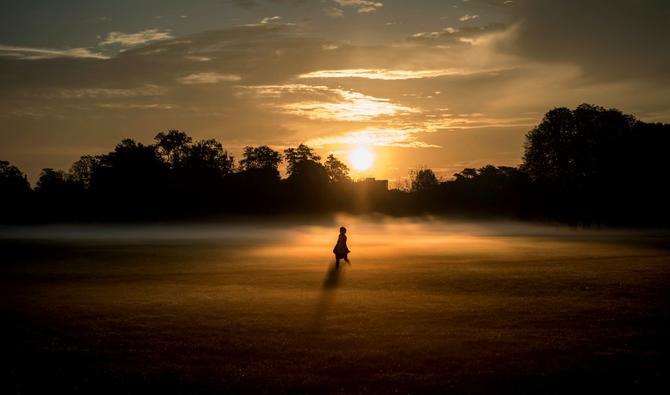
589	165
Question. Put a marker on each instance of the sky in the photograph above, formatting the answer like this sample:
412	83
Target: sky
445	84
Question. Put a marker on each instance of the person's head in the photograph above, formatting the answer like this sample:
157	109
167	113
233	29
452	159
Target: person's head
343	230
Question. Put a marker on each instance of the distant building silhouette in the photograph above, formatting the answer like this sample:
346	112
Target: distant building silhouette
589	165
373	185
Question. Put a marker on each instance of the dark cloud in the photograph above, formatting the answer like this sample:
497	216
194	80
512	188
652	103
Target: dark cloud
455	35
242	85
244	50
70	106
620	39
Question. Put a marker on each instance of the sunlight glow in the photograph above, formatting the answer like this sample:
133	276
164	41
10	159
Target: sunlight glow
382	74
378	137
361	158
352	106
319	102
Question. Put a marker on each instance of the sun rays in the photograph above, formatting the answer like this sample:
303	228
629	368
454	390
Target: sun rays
361	158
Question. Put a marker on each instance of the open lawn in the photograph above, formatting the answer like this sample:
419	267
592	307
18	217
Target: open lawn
424	307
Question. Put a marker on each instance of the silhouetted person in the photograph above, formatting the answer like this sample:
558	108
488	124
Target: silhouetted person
341	250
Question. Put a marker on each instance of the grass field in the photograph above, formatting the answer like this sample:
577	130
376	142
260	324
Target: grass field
424	307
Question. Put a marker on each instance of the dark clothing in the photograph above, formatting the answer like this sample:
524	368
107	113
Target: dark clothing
341	250
341	246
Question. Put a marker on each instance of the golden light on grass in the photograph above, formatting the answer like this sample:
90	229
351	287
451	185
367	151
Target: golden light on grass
361	158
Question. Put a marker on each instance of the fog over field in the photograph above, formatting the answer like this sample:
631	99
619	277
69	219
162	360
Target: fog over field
367	231
426	306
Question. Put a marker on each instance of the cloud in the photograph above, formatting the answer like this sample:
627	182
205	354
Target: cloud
609	39
333	11
270	20
467	35
468	17
490	93
198	58
355	107
133	39
324	103
29	53
330	46
362	6
136	106
380	137
435	123
107	93
207	78
382	74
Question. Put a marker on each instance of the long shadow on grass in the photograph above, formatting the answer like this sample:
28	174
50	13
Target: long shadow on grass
331	282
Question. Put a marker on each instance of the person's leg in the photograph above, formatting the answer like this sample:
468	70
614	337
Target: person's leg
346	258
337	260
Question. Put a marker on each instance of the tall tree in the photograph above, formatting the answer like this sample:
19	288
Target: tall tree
12	181
15	194
208	156
337	171
132	166
82	170
466	174
573	150
52	181
260	158
423	180
173	146
296	156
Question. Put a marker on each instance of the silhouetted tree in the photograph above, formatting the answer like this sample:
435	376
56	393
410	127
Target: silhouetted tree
12	181
260	158
202	175
131	164
82	170
257	184
15	194
309	172
208	157
53	182
308	179
423	180
295	156
466	174
489	190
570	150
588	163
173	146
130	181
424	190
337	171
59	196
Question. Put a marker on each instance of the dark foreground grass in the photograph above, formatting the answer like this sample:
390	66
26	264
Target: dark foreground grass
421	310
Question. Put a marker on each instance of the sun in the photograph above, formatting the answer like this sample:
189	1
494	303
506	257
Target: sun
361	158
